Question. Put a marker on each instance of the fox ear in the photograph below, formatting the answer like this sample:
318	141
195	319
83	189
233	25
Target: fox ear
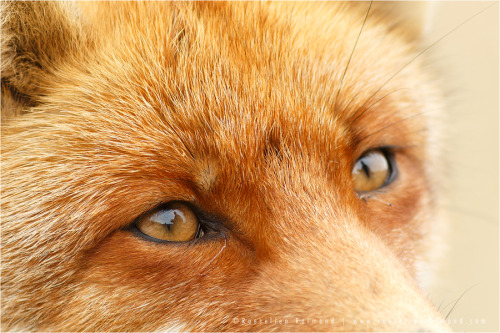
415	18
37	37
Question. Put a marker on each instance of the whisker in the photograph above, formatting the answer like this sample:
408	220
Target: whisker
218	253
357	116
350	57
422	52
366	196
441	304
392	124
458	300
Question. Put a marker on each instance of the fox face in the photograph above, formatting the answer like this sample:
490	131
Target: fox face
215	166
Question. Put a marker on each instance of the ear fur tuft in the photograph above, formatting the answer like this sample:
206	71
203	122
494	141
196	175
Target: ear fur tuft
37	36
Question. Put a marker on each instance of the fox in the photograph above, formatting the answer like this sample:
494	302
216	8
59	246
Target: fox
217	166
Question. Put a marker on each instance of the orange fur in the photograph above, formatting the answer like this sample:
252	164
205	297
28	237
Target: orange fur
110	109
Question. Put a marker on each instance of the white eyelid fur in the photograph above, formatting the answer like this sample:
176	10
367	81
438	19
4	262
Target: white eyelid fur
174	327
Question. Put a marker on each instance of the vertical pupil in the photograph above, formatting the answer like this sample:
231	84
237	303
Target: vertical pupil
366	169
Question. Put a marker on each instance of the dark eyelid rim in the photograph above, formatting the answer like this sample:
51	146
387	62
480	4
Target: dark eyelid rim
206	238
391	149
393	167
207	222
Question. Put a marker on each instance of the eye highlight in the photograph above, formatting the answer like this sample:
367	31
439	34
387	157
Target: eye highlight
174	222
373	170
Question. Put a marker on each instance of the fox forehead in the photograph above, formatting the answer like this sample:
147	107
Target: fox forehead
198	93
199	89
238	72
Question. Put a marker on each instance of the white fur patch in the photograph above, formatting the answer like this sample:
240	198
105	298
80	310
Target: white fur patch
174	327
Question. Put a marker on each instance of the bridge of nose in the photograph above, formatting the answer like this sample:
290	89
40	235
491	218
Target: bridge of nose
350	277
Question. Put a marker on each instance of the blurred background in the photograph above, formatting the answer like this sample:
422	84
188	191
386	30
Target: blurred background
468	60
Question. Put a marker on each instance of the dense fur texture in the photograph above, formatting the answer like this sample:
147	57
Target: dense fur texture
253	112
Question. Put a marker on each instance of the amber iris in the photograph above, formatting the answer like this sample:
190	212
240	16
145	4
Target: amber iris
371	171
173	222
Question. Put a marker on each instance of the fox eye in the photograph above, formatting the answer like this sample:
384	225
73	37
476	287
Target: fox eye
373	170
174	222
